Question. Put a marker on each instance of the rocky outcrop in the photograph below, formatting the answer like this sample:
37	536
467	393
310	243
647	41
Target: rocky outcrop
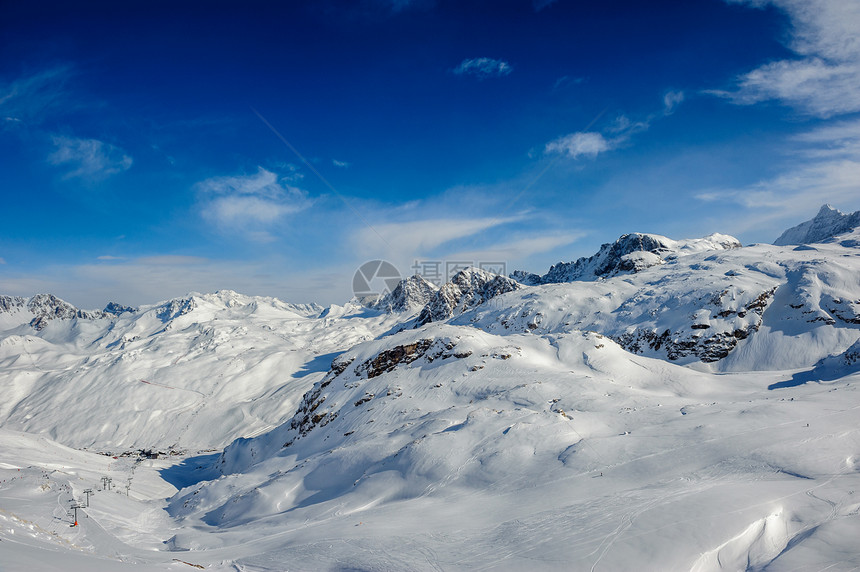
118	309
47	307
467	289
708	339
11	303
410	295
389	359
175	308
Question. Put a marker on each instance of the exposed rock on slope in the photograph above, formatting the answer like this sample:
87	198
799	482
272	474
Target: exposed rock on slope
46	307
756	308
629	254
11	303
467	289
118	309
41	309
828	223
410	295
711	334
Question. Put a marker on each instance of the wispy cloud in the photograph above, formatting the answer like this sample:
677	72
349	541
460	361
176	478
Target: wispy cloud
88	159
27	99
825	168
518	250
581	144
417	238
2	260
566	80
614	135
592	143
250	204
483	68
671	100
341	164
825	79
108	257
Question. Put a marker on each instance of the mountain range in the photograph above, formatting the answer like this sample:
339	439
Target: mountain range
689	404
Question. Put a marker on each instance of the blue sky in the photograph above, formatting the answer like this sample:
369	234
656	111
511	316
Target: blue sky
151	148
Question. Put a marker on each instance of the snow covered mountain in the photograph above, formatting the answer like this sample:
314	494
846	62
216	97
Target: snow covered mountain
661	405
187	374
754	308
410	295
39	310
827	224
629	254
467	289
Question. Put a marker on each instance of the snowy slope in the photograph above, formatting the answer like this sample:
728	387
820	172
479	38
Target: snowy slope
450	448
761	307
187	374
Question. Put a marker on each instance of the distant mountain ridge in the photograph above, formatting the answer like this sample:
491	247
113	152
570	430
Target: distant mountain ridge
39	310
828	223
631	253
706	301
47	307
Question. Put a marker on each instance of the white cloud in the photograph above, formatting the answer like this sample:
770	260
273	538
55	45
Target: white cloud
89	159
593	143
671	100
109	257
2	260
520	249
623	127
824	169
825	80
483	68
341	164
250	204
581	143
408	240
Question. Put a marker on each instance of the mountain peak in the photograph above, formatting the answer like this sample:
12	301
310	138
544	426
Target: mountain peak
467	289
828	223
47	307
827	209
409	295
631	253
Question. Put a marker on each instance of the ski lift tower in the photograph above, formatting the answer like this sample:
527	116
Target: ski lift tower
75	507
